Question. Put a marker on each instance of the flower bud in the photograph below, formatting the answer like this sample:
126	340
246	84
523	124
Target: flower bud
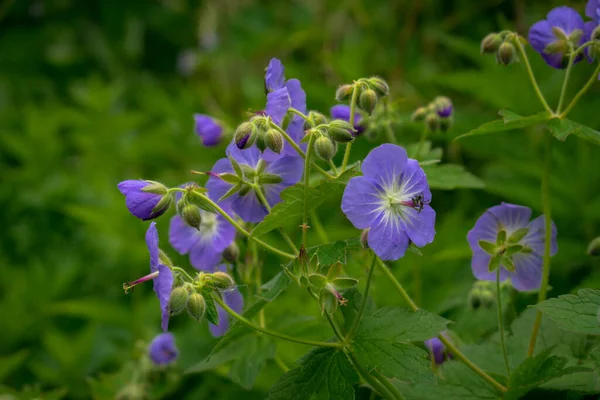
379	85
344	92
222	280
245	135
432	121
190	213
368	100
364	238
419	114
595	33
490	43
163	205
196	306
231	253
260	141
443	106
155	188
341	131
274	140
594	247
506	53
446	124
325	147
178	300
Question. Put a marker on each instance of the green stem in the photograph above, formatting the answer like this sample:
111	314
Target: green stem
374	383
452	349
390	133
183	271
309	151
281	364
245	232
243	320
314	217
547	210
590	82
532	79
501	323
563	91
333	168
361	310
352	111
421	141
298	112
388	385
264	202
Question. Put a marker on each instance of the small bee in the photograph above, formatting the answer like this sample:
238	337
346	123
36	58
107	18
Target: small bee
419	202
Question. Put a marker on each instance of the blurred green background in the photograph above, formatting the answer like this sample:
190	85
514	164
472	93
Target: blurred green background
93	92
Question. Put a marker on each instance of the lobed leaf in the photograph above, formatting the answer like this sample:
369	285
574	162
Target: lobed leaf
509	122
578	313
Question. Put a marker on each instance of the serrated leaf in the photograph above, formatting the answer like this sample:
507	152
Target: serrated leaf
350	311
331	253
578	313
562	128
250	362
451	176
509	121
292	205
324	373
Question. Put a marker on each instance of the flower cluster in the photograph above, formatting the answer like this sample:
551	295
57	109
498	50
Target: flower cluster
437	115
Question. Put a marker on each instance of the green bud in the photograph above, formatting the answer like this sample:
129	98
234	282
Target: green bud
260	142
196	306
368	100
596	33
364	238
419	114
594	247
379	85
344	92
231	253
316	118
325	147
222	280
446	124
432	121
328	302
245	135
155	188
190	213
341	131
506	53
178	300
274	140
490	43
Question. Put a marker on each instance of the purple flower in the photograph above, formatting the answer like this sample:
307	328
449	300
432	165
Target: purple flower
592	10
163	283
206	244
282	172
342	111
162	349
234	299
392	199
519	234
550	37
143	204
446	111
209	129
437	349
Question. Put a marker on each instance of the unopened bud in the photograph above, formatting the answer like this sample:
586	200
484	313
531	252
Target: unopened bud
231	253
155	188
419	114
446	124
596	33
245	135
314	118
432	121
368	100
364	238
190	213
443	106
178	300
196	306
490	43
379	85
222	280
341	131
325	147
260	141
506	53
594	247
274	140
344	92
163	204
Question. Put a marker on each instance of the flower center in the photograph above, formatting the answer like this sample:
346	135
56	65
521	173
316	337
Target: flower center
208	226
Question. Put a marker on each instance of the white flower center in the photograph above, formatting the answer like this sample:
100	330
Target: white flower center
398	194
208	227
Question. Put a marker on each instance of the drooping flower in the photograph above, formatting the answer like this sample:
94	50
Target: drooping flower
208	129
234	299
437	349
162	349
145	199
272	177
342	111
552	37
392	199
206	244
163	283
505	233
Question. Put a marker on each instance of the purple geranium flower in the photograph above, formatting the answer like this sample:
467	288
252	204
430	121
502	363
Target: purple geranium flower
234	299
282	172
162	349
437	349
556	30
163	283
520	234
143	204
342	111
209	129
592	10
392	199
206	244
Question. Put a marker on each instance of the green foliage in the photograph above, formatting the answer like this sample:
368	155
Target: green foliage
451	176
562	128
510	121
578	313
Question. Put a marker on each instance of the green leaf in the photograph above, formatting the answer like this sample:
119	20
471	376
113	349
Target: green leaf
324	373
292	205
10	363
350	311
250	362
333	252
509	121
451	176
381	342
575	313
562	128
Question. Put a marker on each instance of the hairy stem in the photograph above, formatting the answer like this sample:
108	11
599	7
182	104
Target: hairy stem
501	323
352	111
532	79
374	383
563	91
264	202
309	152
584	89
388	385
